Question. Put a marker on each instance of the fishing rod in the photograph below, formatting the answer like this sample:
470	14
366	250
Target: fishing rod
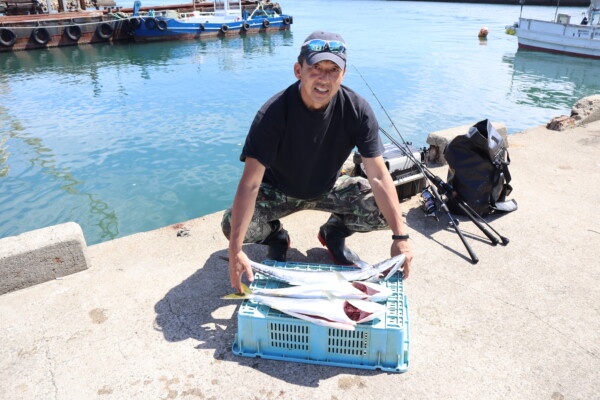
444	187
470	211
454	224
449	192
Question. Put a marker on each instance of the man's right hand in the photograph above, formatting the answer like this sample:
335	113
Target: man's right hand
239	263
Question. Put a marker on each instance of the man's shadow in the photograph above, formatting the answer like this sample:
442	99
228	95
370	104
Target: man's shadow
190	311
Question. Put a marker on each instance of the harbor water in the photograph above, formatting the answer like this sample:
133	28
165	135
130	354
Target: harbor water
130	137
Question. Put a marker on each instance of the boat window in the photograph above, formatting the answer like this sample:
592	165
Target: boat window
222	5
563	19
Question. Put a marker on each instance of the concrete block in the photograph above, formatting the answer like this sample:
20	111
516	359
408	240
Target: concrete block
439	140
41	255
586	110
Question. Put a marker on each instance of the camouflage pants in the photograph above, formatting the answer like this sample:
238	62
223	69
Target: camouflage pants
350	202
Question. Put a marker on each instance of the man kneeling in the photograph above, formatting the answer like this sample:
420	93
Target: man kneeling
293	153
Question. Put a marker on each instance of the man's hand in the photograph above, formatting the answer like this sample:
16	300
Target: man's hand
386	197
238	264
402	247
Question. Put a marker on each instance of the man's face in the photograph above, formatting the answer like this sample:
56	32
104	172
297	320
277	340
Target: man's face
319	82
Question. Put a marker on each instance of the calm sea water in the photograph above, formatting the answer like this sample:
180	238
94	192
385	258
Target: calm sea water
128	138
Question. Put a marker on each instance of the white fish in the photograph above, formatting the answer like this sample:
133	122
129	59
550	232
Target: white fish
380	271
341	290
334	313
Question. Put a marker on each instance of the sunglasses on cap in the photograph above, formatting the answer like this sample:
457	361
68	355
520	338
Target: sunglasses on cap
318	45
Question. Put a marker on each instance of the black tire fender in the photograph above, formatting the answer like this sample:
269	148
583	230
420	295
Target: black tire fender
150	23
7	37
41	35
287	20
224	28
105	30
124	25
135	23
161	24
266	23
73	32
246	26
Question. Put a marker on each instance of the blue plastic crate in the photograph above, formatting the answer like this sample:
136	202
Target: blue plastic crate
380	344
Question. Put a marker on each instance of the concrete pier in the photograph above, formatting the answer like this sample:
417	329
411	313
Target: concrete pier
147	320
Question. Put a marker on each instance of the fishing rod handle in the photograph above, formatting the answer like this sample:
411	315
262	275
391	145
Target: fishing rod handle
444	187
504	239
482	228
474	258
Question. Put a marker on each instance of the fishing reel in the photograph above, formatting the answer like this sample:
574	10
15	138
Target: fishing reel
429	204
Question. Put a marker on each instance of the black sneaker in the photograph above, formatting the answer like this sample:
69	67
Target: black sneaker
278	242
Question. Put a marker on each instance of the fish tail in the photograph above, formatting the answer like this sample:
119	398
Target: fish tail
246	292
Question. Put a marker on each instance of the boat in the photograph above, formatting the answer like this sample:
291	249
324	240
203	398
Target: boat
228	18
25	32
561	35
44	27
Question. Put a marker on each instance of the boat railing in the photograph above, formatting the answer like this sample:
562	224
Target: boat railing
576	31
260	13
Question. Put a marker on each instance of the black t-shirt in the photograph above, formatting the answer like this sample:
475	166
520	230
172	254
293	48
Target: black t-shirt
303	150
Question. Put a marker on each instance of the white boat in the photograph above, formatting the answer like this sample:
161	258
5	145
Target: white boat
577	38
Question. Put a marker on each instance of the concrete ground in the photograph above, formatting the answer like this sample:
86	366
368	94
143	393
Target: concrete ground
147	321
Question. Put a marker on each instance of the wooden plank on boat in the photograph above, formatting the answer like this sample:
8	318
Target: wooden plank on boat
105	3
49	17
20	6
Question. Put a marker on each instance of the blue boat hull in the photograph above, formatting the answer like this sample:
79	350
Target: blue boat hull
159	28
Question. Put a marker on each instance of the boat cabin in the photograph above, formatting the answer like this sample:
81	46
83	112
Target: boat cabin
594	13
228	8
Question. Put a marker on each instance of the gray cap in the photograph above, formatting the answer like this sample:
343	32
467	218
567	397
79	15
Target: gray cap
313	57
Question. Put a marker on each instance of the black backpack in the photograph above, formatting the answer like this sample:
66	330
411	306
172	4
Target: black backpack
478	170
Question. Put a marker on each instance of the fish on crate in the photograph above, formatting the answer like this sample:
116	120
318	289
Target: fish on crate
381	271
331	312
340	290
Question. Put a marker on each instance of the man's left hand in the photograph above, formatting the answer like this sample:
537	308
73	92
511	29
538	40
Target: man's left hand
402	247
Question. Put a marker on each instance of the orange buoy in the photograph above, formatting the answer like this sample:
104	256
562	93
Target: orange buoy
483	32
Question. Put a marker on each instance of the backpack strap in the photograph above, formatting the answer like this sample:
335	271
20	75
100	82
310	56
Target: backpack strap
505	206
503	172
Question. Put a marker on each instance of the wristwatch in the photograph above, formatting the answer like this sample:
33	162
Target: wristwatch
399	237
